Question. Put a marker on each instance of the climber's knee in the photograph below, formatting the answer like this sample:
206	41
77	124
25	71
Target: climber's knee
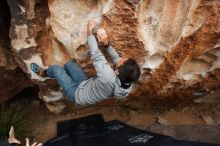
55	70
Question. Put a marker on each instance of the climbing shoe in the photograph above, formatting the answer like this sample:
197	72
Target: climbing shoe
36	69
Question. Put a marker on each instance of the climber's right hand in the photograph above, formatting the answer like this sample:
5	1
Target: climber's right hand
90	27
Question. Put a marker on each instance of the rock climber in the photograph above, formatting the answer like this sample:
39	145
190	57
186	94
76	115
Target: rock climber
107	83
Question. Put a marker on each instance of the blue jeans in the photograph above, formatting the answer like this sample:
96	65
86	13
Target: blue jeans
68	77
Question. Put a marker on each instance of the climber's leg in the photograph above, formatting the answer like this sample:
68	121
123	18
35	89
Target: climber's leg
75	72
67	84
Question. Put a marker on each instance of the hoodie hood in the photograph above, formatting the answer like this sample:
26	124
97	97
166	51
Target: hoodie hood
119	91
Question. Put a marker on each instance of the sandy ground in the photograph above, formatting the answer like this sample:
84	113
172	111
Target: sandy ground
140	114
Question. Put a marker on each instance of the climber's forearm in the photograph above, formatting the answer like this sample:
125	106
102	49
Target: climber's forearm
114	55
96	53
103	39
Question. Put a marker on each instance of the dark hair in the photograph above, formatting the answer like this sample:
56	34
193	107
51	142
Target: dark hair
129	72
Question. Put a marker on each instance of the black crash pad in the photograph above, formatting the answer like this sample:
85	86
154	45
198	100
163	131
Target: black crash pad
93	131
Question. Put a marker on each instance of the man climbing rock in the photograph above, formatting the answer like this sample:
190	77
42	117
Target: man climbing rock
107	83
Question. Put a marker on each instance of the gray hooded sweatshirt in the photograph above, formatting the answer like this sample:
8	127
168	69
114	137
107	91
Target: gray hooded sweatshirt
106	84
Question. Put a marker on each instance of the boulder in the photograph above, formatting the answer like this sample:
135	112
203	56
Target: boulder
176	43
13	80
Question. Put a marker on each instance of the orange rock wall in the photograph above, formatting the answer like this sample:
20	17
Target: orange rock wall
175	42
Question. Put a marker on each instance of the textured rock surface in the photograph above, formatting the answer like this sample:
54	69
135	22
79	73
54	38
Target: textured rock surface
69	26
181	38
187	132
13	80
175	42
